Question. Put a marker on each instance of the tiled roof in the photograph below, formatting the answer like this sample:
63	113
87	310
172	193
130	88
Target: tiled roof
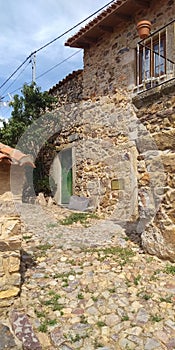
65	80
14	156
95	22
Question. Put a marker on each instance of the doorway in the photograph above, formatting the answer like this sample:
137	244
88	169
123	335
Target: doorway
66	164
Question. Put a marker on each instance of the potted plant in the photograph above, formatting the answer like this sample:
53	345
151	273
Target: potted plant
143	28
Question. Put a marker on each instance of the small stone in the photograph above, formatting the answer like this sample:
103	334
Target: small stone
92	311
38	275
112	320
125	343
24	331
151	344
71	278
142	316
6	338
9	293
78	311
63	258
134	331
170	324
65	347
74	320
162	336
89	303
105	331
171	344
57	337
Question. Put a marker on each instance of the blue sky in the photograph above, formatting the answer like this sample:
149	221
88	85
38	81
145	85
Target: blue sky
26	25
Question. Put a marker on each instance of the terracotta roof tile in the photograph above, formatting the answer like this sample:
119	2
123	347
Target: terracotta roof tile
66	79
96	21
15	156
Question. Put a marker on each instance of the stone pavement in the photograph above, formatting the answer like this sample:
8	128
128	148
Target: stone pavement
88	288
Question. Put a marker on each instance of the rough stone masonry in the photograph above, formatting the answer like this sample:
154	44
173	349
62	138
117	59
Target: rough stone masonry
10	257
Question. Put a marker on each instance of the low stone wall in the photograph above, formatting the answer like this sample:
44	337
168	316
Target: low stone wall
10	258
156	111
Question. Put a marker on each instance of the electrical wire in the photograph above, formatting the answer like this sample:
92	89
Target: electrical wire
52	41
44	73
16	78
58	64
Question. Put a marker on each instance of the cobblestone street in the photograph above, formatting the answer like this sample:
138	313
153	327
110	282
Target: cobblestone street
88	288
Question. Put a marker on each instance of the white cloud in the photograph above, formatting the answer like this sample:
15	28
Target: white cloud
26	25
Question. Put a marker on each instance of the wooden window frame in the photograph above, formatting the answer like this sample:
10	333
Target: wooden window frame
150	44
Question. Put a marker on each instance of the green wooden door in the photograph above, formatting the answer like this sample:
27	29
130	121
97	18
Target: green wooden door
66	175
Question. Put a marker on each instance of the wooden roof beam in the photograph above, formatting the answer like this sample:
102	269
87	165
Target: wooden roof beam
105	28
142	3
90	39
82	44
123	16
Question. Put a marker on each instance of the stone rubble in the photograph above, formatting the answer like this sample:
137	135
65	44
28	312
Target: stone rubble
87	288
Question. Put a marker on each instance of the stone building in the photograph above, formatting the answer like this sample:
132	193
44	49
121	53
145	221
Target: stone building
12	172
115	140
12	177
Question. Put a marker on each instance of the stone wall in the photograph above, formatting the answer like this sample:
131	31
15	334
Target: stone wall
4	177
104	154
12	179
123	147
10	256
69	89
156	111
111	62
123	160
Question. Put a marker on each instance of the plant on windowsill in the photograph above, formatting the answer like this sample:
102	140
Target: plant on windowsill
144	28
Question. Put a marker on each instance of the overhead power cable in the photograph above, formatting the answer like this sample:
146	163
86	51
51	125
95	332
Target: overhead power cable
52	41
58	64
16	78
44	73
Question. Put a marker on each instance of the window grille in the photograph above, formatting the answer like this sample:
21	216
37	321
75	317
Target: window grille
155	58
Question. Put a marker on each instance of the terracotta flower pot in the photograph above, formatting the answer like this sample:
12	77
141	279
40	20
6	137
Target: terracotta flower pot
143	28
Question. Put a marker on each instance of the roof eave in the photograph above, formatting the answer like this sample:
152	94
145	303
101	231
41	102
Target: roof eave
118	12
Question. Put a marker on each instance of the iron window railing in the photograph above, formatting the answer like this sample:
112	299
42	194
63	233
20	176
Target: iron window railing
156	58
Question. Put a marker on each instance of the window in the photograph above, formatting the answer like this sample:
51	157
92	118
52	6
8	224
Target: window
152	58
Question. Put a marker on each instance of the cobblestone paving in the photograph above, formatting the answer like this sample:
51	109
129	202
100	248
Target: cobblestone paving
89	288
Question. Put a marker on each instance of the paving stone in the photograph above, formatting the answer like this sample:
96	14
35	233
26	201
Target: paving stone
57	337
83	291
7	340
142	316
24	331
171	344
170	324
152	344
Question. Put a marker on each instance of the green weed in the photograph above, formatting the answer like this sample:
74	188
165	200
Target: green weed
83	319
44	247
101	324
53	303
137	280
156	318
170	269
27	237
167	299
52	225
125	318
80	296
83	218
146	296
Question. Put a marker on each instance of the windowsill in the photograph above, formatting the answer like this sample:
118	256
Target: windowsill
152	94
